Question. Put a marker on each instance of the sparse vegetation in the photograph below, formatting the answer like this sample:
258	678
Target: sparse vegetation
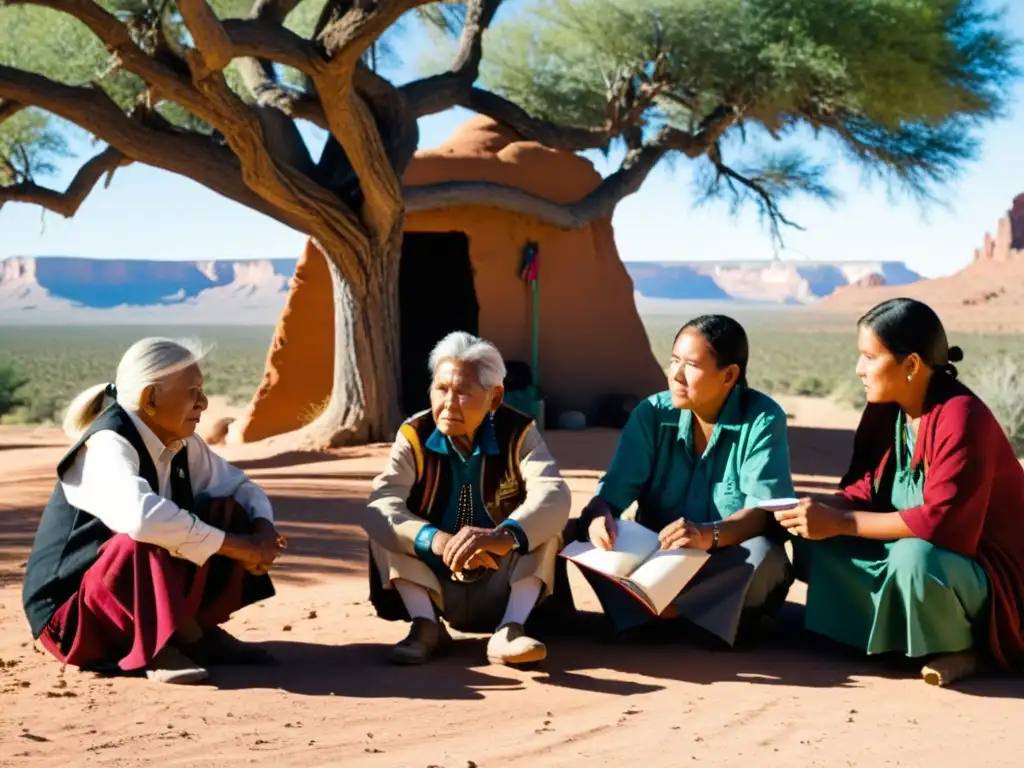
61	361
785	360
11	382
1001	385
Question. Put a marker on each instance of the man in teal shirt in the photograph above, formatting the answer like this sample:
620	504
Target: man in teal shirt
698	460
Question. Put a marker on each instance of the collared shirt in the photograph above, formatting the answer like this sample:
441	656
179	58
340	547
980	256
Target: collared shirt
746	461
104	481
465	471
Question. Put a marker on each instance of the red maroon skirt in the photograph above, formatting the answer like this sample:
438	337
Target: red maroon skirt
136	596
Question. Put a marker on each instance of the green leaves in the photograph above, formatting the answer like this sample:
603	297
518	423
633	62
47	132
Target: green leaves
899	84
30	147
11	381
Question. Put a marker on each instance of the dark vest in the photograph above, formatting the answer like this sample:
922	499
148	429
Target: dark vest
68	540
502	482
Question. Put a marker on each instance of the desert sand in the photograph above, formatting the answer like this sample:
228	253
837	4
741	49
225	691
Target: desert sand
787	702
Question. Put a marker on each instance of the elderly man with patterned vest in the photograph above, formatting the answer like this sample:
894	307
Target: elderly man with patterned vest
465	521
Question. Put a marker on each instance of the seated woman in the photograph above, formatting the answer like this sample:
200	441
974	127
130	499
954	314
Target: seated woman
465	521
131	568
922	552
698	459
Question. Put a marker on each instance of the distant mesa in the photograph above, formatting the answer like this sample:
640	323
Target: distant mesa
769	282
59	289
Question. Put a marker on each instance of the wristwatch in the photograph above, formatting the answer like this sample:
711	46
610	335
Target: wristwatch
714	535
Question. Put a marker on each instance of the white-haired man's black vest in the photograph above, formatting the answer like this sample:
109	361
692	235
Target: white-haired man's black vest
68	540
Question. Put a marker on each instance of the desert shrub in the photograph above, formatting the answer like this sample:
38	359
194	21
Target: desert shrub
1001	385
11	384
849	392
812	386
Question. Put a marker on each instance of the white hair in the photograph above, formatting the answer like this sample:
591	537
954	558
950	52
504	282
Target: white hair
146	362
463	347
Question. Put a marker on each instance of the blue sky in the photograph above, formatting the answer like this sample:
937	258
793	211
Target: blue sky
148	213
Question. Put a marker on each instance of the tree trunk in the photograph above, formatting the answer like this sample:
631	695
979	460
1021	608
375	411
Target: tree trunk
364	404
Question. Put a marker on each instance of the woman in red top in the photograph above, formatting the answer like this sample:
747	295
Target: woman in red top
922	551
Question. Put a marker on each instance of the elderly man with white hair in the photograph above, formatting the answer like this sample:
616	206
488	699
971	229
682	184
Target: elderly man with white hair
465	521
150	540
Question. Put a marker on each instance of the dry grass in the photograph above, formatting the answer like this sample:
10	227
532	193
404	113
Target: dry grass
792	352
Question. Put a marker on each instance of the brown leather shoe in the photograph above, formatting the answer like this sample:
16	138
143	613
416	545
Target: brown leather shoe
945	669
425	640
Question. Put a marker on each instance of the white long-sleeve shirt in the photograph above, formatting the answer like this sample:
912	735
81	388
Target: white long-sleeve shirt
104	481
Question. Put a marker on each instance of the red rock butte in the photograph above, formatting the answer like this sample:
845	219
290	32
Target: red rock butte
985	296
592	341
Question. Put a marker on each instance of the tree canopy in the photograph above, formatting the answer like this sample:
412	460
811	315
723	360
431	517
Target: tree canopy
898	85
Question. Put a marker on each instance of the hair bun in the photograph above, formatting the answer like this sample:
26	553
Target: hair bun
955	354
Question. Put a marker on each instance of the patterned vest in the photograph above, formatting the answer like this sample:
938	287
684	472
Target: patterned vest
501	480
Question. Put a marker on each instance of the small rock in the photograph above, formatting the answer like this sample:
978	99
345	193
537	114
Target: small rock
312	615
374	751
286	628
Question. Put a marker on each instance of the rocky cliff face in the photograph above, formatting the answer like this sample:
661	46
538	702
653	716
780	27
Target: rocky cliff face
776	282
1008	242
57	289
66	289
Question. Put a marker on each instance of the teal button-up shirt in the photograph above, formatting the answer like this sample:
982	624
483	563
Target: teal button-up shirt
746	461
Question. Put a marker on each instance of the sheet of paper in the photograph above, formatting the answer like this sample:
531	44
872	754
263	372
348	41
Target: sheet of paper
633	545
665	574
774	504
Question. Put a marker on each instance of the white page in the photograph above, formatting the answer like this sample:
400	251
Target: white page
665	574
633	545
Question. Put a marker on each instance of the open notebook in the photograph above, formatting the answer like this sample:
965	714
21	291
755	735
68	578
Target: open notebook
638	565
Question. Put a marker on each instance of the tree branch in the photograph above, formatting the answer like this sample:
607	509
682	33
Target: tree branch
68	202
599	203
258	72
287	188
353	126
766	201
437	93
118	40
355	28
479	15
264	39
190	155
9	109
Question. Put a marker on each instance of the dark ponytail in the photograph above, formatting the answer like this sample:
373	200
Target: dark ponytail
908	326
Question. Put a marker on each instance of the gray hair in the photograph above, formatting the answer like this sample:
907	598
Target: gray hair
146	362
466	348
